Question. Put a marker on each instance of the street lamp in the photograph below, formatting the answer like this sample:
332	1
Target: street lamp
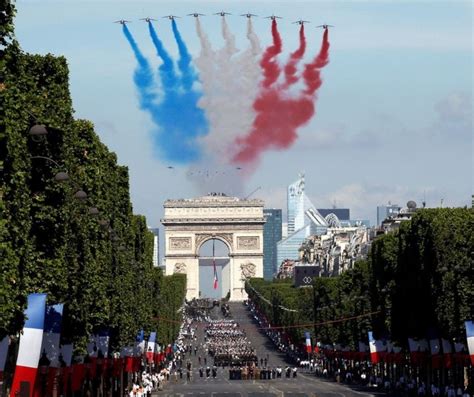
61	176
80	195
37	132
93	211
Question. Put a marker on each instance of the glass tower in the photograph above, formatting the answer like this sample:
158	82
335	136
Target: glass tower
304	220
271	236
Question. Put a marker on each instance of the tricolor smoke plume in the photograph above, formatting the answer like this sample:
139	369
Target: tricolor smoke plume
230	84
295	57
178	121
279	115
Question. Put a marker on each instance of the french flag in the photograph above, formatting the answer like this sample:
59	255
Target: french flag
435	348
470	339
52	333
51	339
418	350
66	353
30	347
157	353
216	281
308	342
377	348
150	352
4	343
102	341
447	353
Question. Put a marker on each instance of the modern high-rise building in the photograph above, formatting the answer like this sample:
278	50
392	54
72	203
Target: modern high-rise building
303	221
156	246
298	203
385	211
272	233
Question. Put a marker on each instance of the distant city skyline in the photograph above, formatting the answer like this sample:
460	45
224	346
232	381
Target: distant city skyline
393	119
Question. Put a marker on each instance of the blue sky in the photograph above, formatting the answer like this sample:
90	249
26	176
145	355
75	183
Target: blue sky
394	114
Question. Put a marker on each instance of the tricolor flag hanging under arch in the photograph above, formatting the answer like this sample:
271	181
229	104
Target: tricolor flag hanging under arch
216	280
30	347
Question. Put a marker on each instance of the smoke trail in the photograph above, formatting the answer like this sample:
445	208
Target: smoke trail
177	119
167	72
230	84
290	68
271	69
230	48
312	73
188	77
143	76
278	116
254	42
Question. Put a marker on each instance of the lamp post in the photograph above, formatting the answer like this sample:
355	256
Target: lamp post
43	365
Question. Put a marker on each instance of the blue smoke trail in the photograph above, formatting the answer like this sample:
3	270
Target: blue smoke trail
188	76
143	75
167	73
177	115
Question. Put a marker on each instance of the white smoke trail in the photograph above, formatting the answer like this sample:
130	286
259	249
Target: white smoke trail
230	85
229	97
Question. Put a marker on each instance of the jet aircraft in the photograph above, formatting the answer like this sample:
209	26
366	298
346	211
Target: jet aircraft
325	26
122	21
147	19
273	17
248	15
222	13
170	17
195	15
301	22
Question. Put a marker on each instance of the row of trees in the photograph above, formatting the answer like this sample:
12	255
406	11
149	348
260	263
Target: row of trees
92	254
416	279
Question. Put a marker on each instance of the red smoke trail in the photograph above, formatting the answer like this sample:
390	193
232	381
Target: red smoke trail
311	74
271	69
290	68
278	116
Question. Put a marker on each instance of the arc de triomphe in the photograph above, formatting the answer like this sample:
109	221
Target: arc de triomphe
238	223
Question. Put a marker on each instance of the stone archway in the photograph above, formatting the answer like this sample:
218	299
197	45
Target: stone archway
238	223
214	250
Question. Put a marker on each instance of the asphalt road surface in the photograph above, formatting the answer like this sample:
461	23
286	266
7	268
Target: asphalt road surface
305	384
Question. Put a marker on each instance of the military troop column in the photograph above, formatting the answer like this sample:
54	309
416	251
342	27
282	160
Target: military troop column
189	223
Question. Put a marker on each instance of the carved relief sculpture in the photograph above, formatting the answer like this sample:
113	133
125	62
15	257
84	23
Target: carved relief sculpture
180	243
247	270
179	267
248	243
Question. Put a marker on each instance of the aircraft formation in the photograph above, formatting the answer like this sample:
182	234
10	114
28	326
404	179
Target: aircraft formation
223	14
